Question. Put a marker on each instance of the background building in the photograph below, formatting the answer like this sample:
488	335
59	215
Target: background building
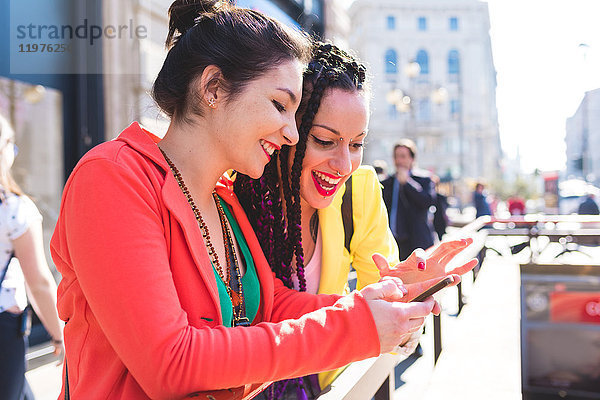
583	137
433	81
337	22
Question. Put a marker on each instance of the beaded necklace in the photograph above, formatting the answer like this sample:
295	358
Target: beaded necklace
233	286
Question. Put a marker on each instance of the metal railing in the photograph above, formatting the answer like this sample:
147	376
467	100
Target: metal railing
374	377
571	231
362	380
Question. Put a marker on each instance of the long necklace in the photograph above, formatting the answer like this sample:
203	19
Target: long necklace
236	294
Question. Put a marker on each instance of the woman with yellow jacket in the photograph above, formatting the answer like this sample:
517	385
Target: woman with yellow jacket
298	215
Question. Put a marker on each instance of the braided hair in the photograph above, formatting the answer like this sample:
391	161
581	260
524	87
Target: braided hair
272	202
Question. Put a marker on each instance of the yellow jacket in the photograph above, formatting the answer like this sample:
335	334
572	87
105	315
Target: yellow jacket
371	235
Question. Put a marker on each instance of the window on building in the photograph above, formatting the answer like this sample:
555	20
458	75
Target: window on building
392	112
423	61
454	108
453	23
391	22
422	23
423	110
391	62
453	65
448	148
421	145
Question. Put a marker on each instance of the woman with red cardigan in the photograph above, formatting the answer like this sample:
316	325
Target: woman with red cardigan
165	291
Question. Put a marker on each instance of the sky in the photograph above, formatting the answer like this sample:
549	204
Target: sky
543	71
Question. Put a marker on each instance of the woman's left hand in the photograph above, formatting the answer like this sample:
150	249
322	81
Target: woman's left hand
419	266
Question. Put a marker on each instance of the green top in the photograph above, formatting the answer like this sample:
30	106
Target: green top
249	280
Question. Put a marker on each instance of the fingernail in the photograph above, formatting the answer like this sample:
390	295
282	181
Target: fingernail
404	290
421	265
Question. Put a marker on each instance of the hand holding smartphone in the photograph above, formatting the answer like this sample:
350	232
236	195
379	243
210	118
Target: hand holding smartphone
434	289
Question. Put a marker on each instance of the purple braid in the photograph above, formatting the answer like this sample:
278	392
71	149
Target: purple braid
263	220
288	246
261	200
253	197
278	226
294	211
277	389
280	265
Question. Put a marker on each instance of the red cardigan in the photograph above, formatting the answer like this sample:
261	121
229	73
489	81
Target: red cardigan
141	299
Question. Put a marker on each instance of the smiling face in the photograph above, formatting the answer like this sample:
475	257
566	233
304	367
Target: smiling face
260	119
334	148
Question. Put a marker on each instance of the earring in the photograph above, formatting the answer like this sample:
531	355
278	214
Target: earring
212	103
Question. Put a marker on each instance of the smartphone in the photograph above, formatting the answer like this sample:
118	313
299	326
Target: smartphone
434	289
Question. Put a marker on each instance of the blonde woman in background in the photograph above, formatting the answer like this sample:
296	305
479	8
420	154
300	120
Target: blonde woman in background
21	238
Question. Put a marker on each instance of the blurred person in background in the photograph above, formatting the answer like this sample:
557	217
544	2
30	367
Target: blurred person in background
23	269
516	205
408	194
480	201
588	206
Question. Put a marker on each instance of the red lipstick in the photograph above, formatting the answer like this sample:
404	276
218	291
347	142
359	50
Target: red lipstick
322	191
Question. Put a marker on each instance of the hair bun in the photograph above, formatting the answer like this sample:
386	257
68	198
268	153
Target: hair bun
183	15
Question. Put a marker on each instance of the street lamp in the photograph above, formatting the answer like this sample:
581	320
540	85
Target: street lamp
412	70
399	99
440	95
406	101
394	96
403	101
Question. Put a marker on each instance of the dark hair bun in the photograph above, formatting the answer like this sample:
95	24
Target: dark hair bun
242	43
183	15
